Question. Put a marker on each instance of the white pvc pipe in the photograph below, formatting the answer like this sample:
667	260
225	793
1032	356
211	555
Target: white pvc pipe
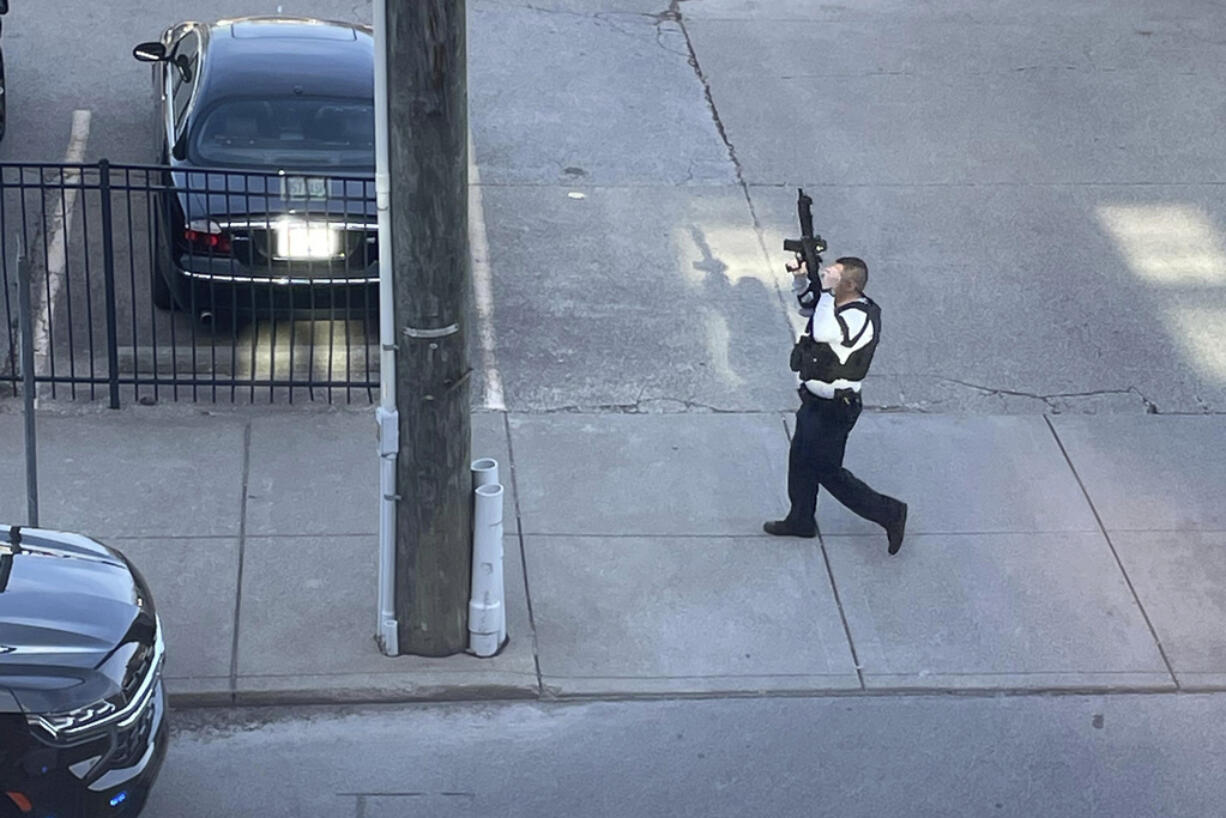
486	612
485	473
386	416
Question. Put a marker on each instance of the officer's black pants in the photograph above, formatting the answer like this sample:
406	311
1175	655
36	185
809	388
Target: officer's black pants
816	459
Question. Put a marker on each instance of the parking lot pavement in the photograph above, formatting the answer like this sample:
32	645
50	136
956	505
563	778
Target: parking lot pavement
637	173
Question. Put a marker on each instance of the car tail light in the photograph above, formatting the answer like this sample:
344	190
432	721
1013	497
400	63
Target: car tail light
207	237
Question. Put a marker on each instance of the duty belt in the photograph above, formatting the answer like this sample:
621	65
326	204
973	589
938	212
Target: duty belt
841	395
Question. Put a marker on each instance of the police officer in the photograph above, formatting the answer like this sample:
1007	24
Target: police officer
832	358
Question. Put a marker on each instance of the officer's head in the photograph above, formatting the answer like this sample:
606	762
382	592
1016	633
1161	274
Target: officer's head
853	275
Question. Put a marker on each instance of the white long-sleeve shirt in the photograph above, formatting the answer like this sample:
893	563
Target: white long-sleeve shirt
844	328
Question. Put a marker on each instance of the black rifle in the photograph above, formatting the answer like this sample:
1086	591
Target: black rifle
809	246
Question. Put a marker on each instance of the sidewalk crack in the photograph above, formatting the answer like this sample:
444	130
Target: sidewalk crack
1150	407
673	14
644	406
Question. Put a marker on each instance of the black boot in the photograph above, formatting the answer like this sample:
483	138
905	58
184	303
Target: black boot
783	528
894	531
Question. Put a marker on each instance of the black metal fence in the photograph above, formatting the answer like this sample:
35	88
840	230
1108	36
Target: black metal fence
152	283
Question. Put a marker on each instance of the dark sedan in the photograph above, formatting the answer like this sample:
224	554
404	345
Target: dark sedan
82	710
267	128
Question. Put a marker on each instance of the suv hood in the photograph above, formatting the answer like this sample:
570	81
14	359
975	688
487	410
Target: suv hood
68	603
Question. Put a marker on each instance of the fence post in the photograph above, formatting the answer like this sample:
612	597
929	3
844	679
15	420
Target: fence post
24	318
108	275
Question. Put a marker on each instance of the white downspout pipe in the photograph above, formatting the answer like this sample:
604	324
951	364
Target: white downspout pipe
485	473
386	416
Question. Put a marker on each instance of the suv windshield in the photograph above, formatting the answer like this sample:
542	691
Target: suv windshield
297	131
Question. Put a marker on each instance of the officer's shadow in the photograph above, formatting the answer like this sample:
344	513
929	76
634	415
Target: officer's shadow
736	340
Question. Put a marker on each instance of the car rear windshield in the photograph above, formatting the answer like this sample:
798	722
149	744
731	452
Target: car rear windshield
299	131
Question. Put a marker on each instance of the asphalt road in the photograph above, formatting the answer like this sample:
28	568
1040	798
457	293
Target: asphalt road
1039	191
1070	756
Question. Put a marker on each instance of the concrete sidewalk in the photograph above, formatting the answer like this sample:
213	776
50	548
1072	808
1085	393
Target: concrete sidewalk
1070	552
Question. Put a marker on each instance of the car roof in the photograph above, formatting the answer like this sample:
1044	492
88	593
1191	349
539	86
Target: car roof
271	57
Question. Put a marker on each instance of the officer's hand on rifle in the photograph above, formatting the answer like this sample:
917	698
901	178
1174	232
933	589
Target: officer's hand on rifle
798	267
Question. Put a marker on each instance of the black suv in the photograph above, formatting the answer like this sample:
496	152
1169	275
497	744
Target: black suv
82	711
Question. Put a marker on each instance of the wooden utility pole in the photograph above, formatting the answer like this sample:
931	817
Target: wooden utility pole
428	164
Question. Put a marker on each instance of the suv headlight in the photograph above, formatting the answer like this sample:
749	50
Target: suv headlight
74	721
142	665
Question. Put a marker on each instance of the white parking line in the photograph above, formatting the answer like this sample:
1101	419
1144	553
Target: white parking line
57	245
483	290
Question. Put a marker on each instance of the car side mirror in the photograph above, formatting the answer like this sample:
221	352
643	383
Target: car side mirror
146	52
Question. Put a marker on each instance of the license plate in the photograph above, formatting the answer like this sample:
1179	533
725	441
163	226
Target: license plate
306	241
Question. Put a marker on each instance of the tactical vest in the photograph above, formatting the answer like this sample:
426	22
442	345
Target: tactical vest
818	362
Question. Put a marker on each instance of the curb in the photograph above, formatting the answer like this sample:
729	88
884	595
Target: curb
353	695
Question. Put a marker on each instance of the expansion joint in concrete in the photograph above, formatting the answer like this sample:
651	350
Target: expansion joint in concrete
1136	597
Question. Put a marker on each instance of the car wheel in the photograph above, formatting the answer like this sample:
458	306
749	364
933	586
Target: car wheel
163	298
